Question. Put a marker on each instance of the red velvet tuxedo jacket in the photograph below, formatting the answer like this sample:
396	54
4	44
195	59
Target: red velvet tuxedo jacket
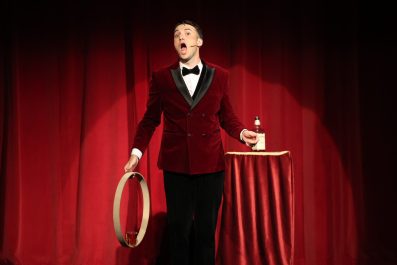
191	141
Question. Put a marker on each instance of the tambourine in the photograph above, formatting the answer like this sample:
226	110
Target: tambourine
127	241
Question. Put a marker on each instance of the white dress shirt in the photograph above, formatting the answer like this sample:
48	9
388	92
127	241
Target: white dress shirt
191	80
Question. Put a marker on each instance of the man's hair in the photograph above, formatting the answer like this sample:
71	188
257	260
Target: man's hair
193	24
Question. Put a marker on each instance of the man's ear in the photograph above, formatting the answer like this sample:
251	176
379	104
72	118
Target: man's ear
200	42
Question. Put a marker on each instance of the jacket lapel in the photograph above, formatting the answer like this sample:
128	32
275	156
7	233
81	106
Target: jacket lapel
205	84
180	84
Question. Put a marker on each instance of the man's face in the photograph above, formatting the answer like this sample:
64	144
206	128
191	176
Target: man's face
186	42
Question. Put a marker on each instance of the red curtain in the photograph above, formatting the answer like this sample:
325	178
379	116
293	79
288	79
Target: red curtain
74	83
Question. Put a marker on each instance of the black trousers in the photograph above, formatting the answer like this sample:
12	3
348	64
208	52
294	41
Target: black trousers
192	212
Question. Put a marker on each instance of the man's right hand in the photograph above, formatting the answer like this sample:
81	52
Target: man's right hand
131	164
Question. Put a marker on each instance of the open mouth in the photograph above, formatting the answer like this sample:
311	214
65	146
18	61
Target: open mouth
183	47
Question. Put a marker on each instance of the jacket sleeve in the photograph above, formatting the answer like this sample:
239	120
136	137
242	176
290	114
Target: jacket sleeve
152	117
228	120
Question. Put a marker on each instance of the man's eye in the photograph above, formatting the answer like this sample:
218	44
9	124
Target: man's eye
188	33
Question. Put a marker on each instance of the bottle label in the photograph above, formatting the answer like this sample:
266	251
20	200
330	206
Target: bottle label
261	144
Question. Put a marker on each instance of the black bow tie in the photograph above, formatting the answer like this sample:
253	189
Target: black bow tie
195	70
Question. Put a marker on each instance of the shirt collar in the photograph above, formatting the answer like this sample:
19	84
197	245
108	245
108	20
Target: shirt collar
200	65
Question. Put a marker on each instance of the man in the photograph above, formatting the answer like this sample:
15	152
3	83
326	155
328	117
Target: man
193	97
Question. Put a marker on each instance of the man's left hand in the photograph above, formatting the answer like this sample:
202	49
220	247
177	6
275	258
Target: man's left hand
249	137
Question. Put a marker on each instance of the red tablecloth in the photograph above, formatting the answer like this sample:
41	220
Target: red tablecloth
257	225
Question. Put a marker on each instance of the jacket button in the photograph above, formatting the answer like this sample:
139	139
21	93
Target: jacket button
203	115
203	134
189	134
188	114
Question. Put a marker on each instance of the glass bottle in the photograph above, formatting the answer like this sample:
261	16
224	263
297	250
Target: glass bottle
261	144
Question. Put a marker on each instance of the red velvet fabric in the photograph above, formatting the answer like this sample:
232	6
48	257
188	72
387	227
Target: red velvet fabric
191	141
257	225
74	84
